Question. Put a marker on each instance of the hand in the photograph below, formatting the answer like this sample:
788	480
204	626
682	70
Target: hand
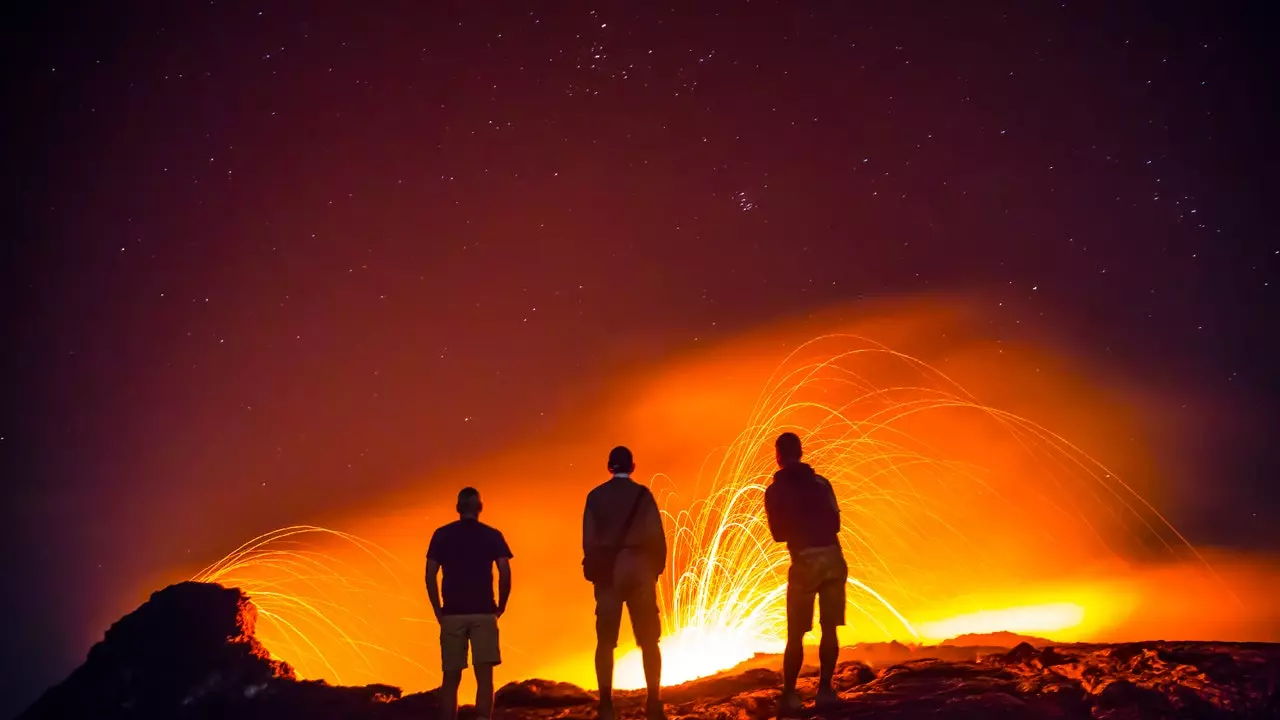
500	612
436	610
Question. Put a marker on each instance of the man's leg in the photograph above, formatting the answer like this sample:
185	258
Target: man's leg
828	653
799	622
831	607
484	691
646	625
449	694
453	660
608	623
792	659
486	652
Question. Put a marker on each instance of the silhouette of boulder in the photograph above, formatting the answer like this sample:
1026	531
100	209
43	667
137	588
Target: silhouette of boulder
1122	694
542	694
190	643
189	652
850	675
1022	653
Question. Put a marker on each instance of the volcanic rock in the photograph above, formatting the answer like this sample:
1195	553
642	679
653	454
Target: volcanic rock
542	694
189	653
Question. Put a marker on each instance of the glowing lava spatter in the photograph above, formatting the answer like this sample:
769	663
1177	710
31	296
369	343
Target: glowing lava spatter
941	498
326	616
914	505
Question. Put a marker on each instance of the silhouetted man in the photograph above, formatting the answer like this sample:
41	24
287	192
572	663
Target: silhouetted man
624	552
803	512
466	550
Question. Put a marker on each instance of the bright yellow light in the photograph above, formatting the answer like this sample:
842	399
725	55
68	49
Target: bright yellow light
931	485
691	653
942	497
1043	619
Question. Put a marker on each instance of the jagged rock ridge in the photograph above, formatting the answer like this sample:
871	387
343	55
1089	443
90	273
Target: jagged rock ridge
189	652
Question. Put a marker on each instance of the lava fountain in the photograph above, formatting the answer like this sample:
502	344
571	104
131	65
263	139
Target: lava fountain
894	436
958	516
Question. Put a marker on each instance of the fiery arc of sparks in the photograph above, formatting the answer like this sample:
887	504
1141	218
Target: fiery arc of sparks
318	612
723	597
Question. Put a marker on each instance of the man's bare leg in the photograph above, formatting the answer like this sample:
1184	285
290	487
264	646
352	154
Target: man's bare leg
792	659
604	679
828	653
652	656
484	691
449	695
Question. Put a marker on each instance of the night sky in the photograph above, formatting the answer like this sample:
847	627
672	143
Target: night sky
257	244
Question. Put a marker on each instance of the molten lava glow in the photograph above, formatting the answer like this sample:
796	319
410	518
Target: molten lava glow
942	497
904	498
694	652
1034	619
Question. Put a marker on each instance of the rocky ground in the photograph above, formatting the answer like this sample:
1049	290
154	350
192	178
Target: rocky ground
189	652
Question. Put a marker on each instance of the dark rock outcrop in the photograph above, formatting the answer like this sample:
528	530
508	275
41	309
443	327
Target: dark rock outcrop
189	653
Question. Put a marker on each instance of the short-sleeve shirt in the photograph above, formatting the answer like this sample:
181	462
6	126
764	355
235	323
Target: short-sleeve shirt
466	551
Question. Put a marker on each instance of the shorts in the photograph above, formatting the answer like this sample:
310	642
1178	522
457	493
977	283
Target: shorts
457	631
642	604
820	572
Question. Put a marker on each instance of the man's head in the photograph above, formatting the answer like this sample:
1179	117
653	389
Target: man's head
469	504
620	461
788	449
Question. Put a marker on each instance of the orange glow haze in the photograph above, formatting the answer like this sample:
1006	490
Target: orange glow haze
984	487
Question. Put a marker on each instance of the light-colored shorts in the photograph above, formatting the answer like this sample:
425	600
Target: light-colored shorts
820	573
457	631
642	604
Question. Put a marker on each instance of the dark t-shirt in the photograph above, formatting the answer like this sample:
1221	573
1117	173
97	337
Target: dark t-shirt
466	550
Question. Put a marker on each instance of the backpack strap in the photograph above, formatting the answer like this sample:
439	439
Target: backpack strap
631	516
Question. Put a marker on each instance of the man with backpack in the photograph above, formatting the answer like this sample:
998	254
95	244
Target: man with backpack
803	512
624	553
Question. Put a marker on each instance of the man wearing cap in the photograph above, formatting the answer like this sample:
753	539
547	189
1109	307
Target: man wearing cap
624	553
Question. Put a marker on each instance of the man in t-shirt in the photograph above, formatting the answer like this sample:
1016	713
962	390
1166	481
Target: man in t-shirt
638	552
803	512
466	550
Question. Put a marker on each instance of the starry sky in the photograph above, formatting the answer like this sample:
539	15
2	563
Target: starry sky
256	244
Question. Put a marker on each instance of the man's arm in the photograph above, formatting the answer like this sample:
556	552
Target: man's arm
588	528
835	503
433	585
656	537
504	584
773	515
831	494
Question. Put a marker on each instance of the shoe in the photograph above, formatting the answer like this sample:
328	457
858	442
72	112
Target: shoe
827	698
789	705
605	711
654	710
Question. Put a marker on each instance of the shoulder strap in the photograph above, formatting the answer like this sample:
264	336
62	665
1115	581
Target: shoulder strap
631	515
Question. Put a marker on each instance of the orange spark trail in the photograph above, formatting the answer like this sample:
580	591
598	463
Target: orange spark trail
913	501
944	501
328	617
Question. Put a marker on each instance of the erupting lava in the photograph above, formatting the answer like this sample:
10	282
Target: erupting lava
942	497
900	492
